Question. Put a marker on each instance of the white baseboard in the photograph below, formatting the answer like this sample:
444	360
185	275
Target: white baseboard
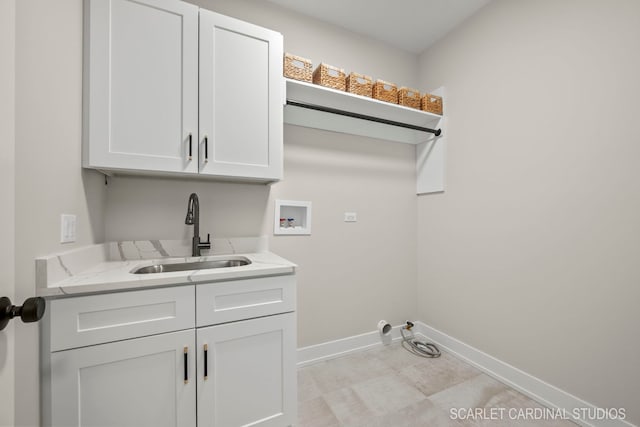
540	391
342	347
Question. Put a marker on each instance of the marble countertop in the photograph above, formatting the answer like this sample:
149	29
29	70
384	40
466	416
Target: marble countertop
108	267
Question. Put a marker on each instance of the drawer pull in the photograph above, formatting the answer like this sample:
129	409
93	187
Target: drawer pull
206	364
186	370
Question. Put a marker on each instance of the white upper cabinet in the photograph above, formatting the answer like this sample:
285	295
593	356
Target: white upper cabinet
146	66
240	98
141	87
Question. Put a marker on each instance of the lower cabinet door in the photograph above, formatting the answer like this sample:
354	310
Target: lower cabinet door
250	369
138	382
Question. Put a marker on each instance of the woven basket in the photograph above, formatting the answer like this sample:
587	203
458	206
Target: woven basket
360	84
432	104
385	91
330	76
409	97
297	67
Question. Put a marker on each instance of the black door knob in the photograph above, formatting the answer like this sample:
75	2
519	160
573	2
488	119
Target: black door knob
31	310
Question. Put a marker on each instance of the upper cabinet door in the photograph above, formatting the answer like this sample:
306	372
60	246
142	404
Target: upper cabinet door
141	85
241	99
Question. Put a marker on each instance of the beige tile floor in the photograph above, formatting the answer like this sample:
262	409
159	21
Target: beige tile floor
390	387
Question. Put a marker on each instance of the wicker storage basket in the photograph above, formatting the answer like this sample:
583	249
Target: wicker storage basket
385	91
360	84
330	76
409	97
297	67
432	104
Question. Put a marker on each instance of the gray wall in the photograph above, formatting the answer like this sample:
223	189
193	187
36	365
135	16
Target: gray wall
7	213
350	275
49	180
532	253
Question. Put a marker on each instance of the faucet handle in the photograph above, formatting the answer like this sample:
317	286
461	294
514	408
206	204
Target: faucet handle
207	244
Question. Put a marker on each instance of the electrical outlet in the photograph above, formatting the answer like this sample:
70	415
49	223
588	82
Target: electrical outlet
350	217
67	228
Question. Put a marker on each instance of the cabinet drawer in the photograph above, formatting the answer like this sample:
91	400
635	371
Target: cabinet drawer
94	319
228	301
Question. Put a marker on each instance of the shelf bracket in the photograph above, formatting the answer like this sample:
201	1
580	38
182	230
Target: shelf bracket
436	132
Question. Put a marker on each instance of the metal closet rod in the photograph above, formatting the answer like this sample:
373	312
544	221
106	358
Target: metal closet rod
436	132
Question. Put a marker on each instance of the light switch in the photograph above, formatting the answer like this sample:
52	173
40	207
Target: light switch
350	217
67	228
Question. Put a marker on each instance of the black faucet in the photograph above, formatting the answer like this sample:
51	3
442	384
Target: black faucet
193	218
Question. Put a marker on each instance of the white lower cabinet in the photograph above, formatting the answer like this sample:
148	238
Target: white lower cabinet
138	382
250	373
239	373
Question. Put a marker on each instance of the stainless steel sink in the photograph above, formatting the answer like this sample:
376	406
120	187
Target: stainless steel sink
197	265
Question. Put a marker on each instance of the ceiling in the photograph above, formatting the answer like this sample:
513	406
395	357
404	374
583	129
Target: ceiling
412	25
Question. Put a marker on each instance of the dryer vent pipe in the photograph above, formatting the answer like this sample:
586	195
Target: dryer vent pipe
384	327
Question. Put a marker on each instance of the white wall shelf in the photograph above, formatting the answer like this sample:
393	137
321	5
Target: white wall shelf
430	150
315	95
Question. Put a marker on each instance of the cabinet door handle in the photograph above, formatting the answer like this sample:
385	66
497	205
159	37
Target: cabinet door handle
206	364
190	147
186	369
206	149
